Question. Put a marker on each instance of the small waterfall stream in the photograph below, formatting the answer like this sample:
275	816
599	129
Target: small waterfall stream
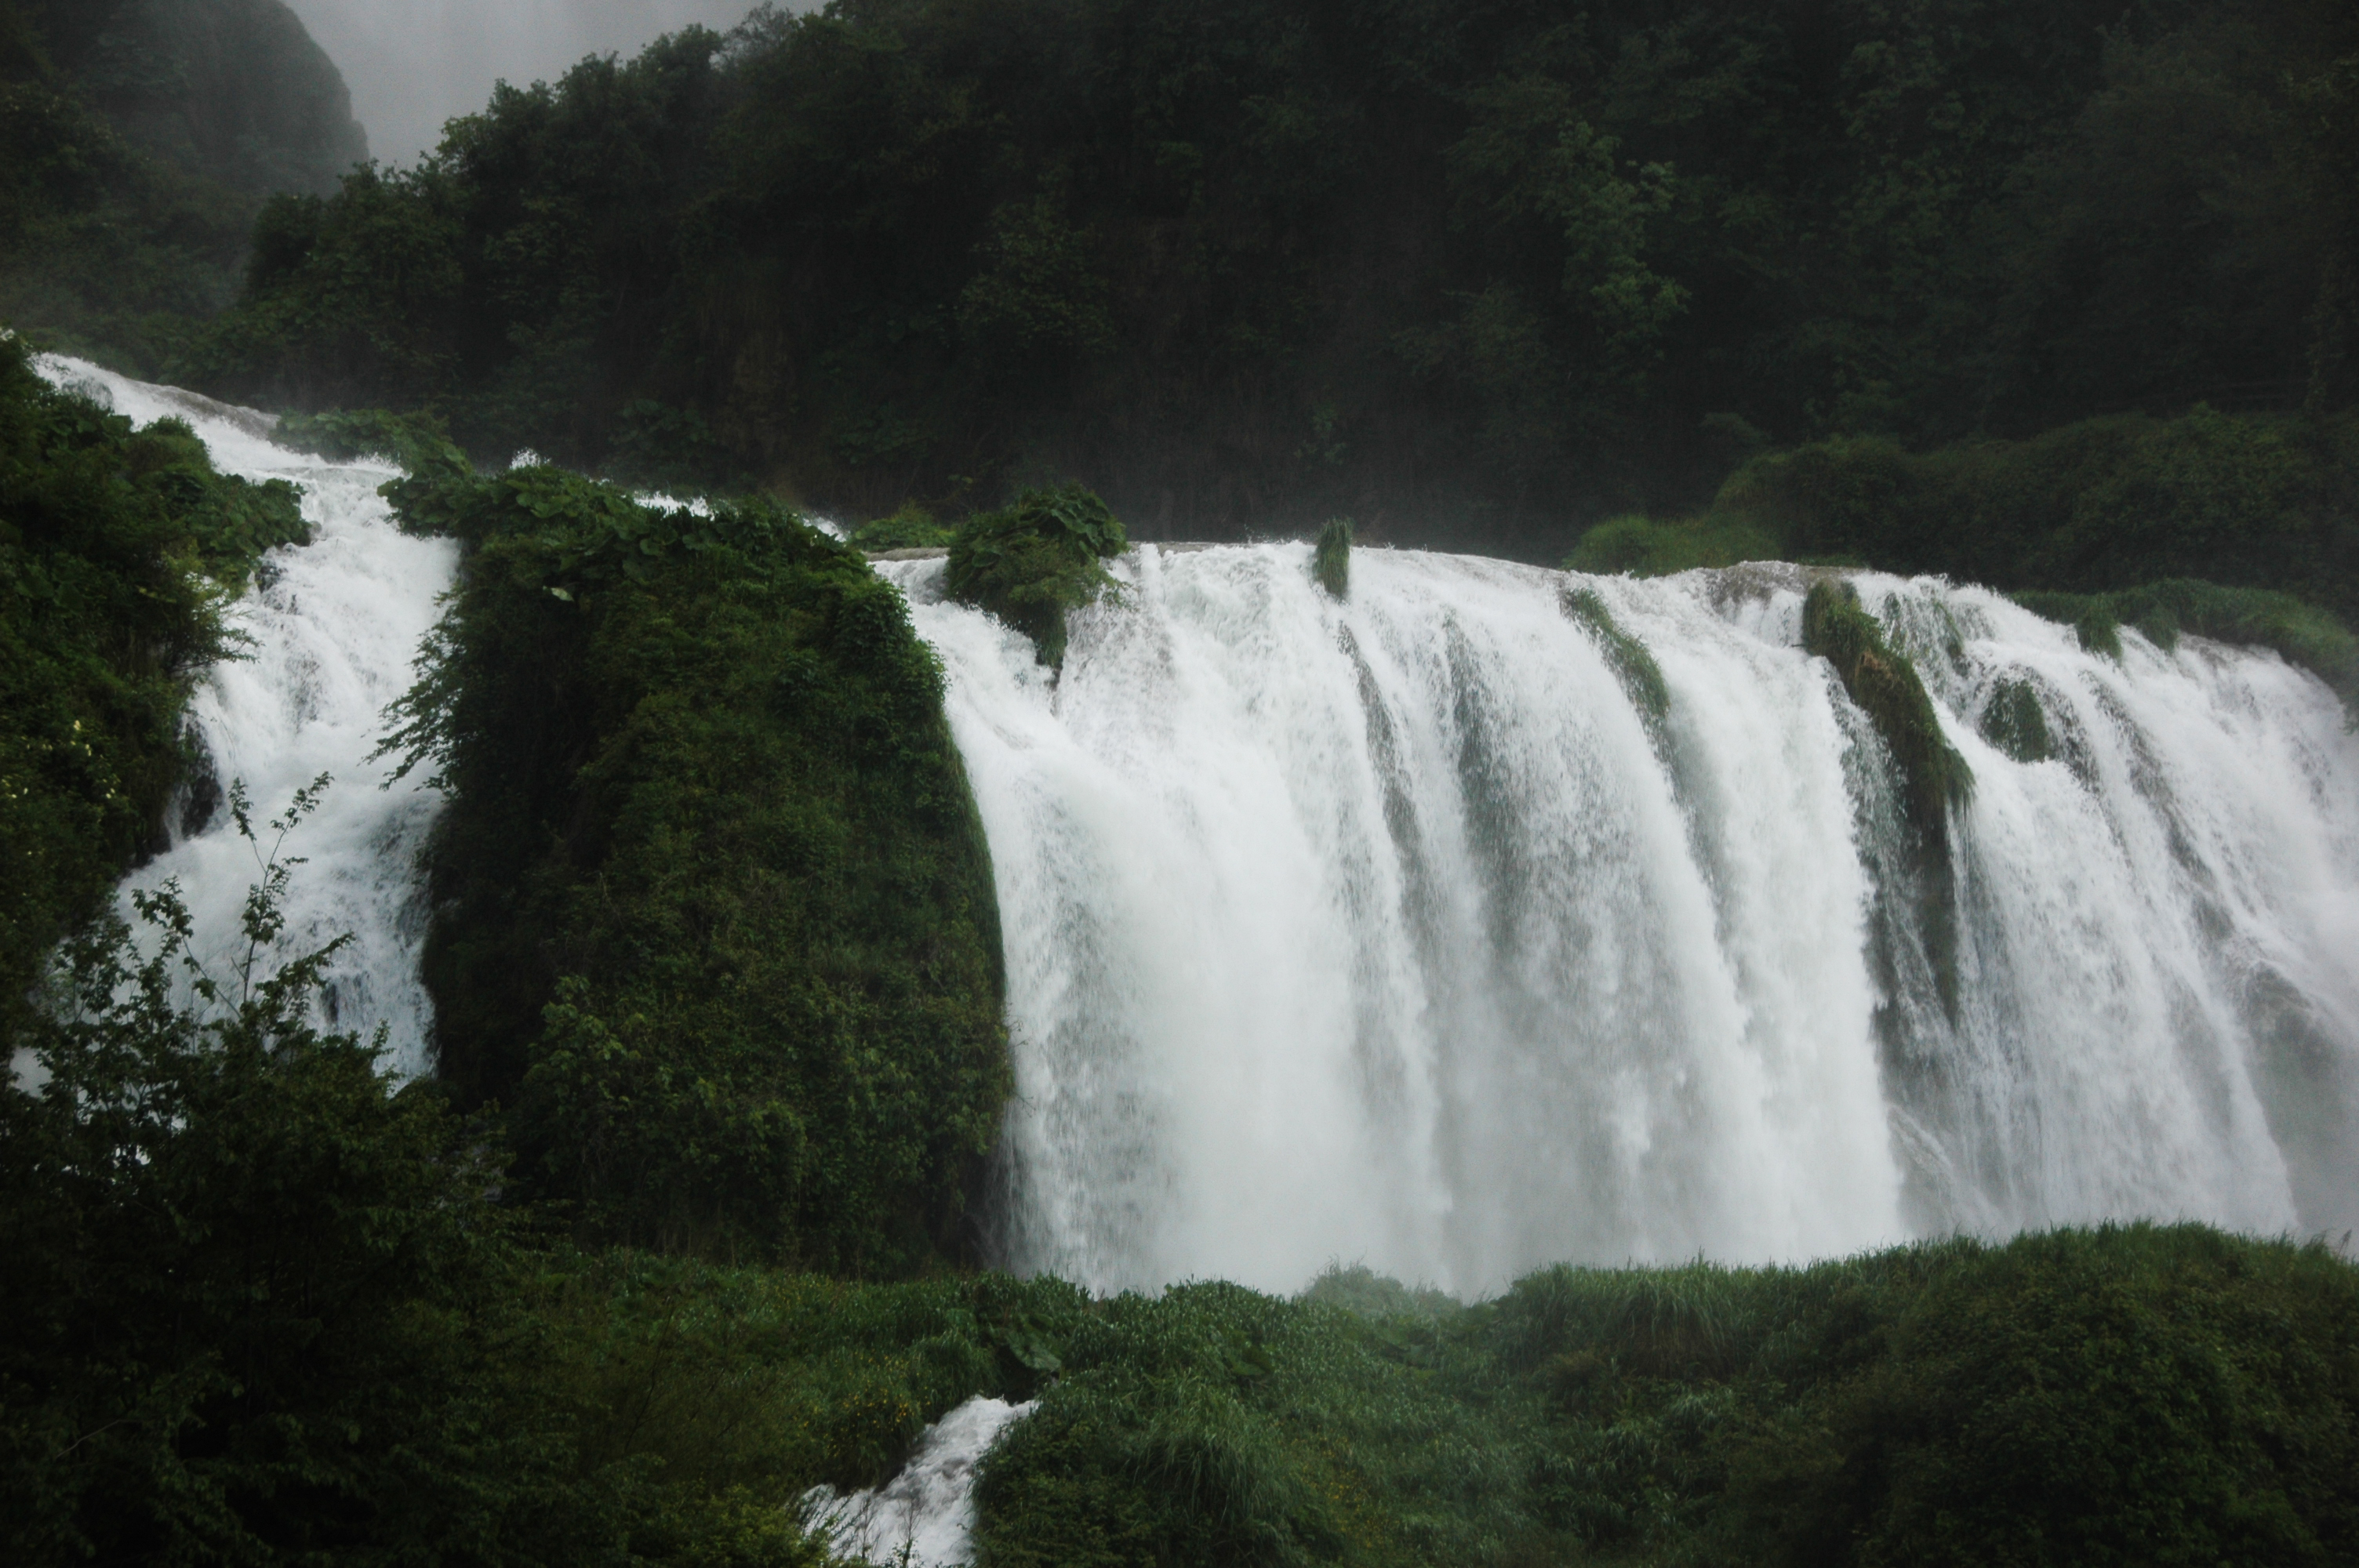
332	628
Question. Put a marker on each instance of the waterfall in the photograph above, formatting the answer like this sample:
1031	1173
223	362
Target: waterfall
330	629
1391	931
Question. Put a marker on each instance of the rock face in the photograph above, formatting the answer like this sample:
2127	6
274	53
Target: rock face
235	90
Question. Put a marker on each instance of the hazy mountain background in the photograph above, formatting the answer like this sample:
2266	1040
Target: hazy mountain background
412	64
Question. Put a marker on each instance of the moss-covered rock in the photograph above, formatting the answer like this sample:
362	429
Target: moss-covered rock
1331	557
1880	678
1031	562
2013	721
715	912
1641	678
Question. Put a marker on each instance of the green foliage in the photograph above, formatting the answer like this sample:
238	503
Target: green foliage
116	548
2247	501
1036	559
1641	678
135	143
911	528
266	1305
716	915
1513	270
410	441
2305	634
1644	546
1883	683
1331	557
2120	1395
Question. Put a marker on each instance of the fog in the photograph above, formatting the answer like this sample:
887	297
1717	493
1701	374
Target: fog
412	64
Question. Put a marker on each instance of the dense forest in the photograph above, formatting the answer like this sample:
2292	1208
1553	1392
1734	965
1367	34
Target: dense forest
138	139
1485	273
2059	295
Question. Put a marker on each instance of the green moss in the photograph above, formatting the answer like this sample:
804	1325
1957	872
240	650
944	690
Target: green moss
1641	678
1033	561
911	528
715	914
2013	721
1646	547
1331	557
1883	683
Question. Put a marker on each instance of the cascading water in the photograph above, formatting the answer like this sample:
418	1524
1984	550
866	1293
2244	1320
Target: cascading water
332	628
1390	931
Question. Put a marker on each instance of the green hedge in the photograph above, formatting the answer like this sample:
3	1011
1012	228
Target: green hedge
715	912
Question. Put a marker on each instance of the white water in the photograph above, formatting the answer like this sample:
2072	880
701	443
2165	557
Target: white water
1388	932
333	626
1384	932
924	1516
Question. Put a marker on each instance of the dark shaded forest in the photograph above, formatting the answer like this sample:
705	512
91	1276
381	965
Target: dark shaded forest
1484	273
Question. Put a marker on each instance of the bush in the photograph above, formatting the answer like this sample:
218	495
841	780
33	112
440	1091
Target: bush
266	1304
1035	561
1644	546
911	528
716	914
2254	502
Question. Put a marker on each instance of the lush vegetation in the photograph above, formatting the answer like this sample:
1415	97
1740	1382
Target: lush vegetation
116	546
268	1305
138	143
715	916
1482	273
1034	560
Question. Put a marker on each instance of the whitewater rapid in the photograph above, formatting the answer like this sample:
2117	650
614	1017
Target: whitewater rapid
330	630
1389	932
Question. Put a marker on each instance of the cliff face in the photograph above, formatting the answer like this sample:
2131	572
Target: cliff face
235	90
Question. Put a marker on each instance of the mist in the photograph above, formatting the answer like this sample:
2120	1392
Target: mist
413	64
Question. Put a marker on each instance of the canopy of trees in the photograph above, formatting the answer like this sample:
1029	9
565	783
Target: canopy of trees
1483	270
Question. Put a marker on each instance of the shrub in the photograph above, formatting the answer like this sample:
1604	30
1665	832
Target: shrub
1644	546
1035	561
911	528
